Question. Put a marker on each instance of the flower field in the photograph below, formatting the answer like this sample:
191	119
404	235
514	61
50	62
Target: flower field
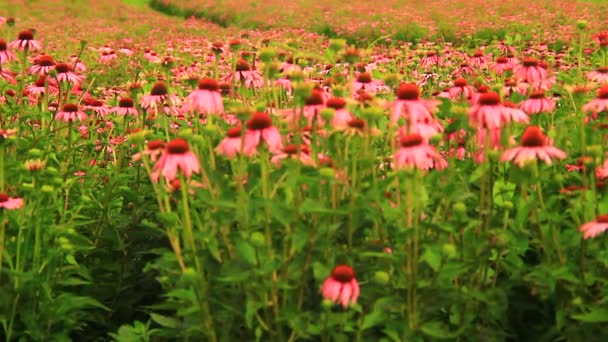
265	171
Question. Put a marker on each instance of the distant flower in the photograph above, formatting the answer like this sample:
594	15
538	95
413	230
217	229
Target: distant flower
70	112
65	74
594	228
25	41
479	60
126	106
153	149
534	145
10	203
410	106
205	100
532	72
246	75
341	286
501	65
43	64
176	156
364	81
231	145
600	103
416	153
341	115
537	103
5	54
461	89
158	96
301	153
600	75
488	112
259	128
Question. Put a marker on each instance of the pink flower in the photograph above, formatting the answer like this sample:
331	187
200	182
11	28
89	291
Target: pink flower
10	203
65	74
244	74
478	60
461	89
534	145
601	172
312	107
38	87
430	60
501	65
514	114
5	54
537	103
230	146
176	156
42	65
488	112
594	228
301	153
259	127
341	115
153	149
25	41
206	99
125	107
410	106
70	112
365	82
341	286
158	95
600	75
600	103
531	72
415	152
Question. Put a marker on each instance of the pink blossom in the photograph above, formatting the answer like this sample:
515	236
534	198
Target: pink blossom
341	286
534	145
176	156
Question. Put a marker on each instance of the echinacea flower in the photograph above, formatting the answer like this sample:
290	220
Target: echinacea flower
461	89
70	113
232	144
416	153
126	106
365	82
42	65
531	71
488	112
259	128
595	227
10	203
205	100
501	65
65	74
5	54
600	103
410	106
537	103
246	75
341	287
153	149
25	41
159	95
600	75
534	145
341	115
296	152
176	156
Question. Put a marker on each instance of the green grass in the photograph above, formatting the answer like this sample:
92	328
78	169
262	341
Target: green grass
136	2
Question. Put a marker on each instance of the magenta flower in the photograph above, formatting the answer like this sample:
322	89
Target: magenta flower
231	145
176	156
532	72
341	115
301	153
206	99
158	96
461	89
10	203
537	103
246	75
5	54
415	152
341	286
154	148
42	65
25	41
126	106
65	74
70	112
410	106
501	65
600	75
488	112
594	228
534	145
259	127
600	103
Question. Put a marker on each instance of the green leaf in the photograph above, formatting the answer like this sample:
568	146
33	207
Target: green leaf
246	251
165	321
503	192
432	257
598	315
